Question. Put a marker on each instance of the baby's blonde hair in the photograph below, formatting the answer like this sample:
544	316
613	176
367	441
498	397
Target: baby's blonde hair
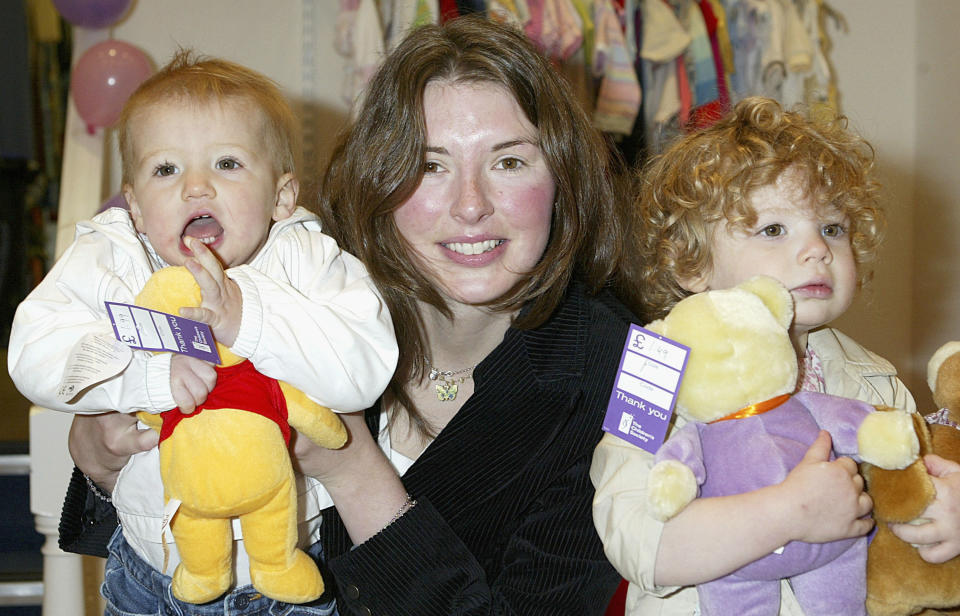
708	176
193	79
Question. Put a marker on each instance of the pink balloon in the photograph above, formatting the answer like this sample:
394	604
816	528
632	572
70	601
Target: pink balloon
103	79
92	14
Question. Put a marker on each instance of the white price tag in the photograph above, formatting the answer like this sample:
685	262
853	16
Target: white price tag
94	359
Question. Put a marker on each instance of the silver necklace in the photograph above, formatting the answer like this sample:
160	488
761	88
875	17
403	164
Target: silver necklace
447	381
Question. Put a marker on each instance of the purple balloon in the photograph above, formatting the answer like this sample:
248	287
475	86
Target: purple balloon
92	14
115	201
103	79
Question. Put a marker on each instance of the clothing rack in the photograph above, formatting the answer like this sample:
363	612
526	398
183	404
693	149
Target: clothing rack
644	69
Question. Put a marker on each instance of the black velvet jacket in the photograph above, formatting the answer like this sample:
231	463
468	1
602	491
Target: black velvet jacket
503	523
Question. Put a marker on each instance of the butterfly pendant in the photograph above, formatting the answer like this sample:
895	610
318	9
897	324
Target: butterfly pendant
447	391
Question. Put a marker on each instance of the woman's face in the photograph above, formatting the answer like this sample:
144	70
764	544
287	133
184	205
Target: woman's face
480	218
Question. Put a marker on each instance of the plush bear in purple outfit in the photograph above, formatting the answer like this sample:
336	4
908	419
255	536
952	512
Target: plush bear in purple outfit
746	431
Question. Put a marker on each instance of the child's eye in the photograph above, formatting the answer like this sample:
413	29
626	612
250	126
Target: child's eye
833	230
509	164
431	167
164	169
228	164
774	230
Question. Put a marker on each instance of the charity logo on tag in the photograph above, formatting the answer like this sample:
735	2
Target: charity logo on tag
645	390
152	330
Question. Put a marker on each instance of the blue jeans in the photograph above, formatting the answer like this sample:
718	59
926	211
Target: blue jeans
131	587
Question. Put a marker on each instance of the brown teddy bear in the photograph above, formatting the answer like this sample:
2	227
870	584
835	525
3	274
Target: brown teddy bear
899	582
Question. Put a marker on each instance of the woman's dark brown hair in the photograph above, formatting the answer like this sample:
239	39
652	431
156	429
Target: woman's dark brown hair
378	164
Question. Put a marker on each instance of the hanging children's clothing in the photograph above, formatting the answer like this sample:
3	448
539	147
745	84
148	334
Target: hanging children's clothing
669	65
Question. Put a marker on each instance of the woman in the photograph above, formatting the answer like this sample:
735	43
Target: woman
474	189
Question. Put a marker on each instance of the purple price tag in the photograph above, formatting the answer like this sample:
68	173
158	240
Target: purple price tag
151	330
645	390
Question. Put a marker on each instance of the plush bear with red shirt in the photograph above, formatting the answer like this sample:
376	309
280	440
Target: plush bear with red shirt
230	459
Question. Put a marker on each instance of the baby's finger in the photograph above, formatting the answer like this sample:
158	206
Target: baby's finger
862	526
198	314
197	394
940	467
208	376
937	552
205	257
917	534
848	465
864	507
205	279
182	398
819	450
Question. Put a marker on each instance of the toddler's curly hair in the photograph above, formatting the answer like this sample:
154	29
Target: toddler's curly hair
707	177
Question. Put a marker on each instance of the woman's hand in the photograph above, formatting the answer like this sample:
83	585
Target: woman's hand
938	540
333	467
360	479
101	445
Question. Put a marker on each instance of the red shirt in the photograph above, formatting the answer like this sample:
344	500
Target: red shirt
238	387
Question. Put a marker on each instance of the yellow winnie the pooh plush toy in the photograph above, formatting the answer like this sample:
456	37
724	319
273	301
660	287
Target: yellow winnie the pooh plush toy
229	459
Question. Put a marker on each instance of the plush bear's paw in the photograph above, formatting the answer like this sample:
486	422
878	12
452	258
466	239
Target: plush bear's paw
670	487
194	588
298	583
887	439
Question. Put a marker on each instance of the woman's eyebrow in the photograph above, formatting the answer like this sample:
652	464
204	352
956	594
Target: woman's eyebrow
437	149
511	143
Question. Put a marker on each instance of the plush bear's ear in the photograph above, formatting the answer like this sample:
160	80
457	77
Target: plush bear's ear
933	366
773	295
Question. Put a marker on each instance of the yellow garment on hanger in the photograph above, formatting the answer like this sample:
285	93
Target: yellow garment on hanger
584	8
425	14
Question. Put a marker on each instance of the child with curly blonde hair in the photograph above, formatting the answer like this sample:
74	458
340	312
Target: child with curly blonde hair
763	191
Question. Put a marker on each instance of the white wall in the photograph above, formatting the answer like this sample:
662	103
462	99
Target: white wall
898	73
936	266
874	63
